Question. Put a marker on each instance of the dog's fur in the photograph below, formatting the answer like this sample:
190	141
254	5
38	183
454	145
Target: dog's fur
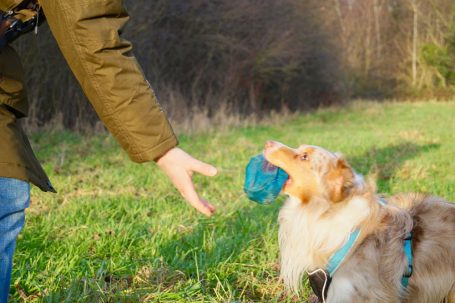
328	200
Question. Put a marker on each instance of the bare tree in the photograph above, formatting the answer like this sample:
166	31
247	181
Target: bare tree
415	33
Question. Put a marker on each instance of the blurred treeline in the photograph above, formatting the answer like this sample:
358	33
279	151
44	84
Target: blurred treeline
253	56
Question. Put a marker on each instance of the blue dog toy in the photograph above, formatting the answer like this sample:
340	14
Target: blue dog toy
263	181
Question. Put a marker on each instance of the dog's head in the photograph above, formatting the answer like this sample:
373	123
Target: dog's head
313	171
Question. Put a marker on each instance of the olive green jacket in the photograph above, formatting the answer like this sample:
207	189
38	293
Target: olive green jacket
87	32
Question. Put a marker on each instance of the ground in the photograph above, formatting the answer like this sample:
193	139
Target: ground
118	232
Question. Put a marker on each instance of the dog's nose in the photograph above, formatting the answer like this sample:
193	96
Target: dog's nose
269	144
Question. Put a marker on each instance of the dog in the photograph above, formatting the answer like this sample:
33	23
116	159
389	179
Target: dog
328	203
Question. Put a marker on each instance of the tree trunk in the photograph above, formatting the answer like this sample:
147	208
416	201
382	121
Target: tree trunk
377	10
414	42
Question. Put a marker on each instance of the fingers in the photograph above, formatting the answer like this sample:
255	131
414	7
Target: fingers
179	166
189	194
203	168
210	206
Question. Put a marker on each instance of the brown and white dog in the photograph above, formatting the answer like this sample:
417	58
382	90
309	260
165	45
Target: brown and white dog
328	200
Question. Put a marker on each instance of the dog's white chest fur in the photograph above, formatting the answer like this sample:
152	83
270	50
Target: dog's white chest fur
307	234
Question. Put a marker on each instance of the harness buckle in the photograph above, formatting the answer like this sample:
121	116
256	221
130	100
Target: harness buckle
408	274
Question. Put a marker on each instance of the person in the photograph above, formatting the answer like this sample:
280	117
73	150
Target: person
87	33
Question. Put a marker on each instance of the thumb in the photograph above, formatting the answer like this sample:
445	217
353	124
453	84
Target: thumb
203	168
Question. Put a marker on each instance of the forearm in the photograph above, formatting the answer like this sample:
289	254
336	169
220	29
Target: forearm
88	35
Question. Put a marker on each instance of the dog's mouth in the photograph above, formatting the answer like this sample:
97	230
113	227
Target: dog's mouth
269	167
287	183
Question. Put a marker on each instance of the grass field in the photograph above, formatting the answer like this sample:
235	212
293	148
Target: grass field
118	232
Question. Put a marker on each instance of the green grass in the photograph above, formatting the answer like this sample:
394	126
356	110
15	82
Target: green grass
118	232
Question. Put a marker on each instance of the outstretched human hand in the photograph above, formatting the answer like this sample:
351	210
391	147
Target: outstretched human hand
179	167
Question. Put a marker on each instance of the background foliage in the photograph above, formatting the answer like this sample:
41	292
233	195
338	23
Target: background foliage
254	56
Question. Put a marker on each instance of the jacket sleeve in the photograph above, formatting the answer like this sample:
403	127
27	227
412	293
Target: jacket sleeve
88	34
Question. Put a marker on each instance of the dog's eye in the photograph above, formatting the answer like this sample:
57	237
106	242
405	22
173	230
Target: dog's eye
304	157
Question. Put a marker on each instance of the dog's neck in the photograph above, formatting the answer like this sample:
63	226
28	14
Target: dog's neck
310	233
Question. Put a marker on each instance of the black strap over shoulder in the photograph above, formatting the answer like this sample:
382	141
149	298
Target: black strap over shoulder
20	20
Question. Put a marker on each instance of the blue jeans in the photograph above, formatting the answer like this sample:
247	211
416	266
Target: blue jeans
14	199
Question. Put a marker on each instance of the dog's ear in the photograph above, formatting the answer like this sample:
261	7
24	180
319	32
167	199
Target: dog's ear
339	180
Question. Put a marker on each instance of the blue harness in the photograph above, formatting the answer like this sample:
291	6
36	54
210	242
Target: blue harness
338	257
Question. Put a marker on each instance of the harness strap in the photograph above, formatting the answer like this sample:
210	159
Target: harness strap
24	17
407	245
338	257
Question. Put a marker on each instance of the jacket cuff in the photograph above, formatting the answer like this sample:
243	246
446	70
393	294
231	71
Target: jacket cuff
156	152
